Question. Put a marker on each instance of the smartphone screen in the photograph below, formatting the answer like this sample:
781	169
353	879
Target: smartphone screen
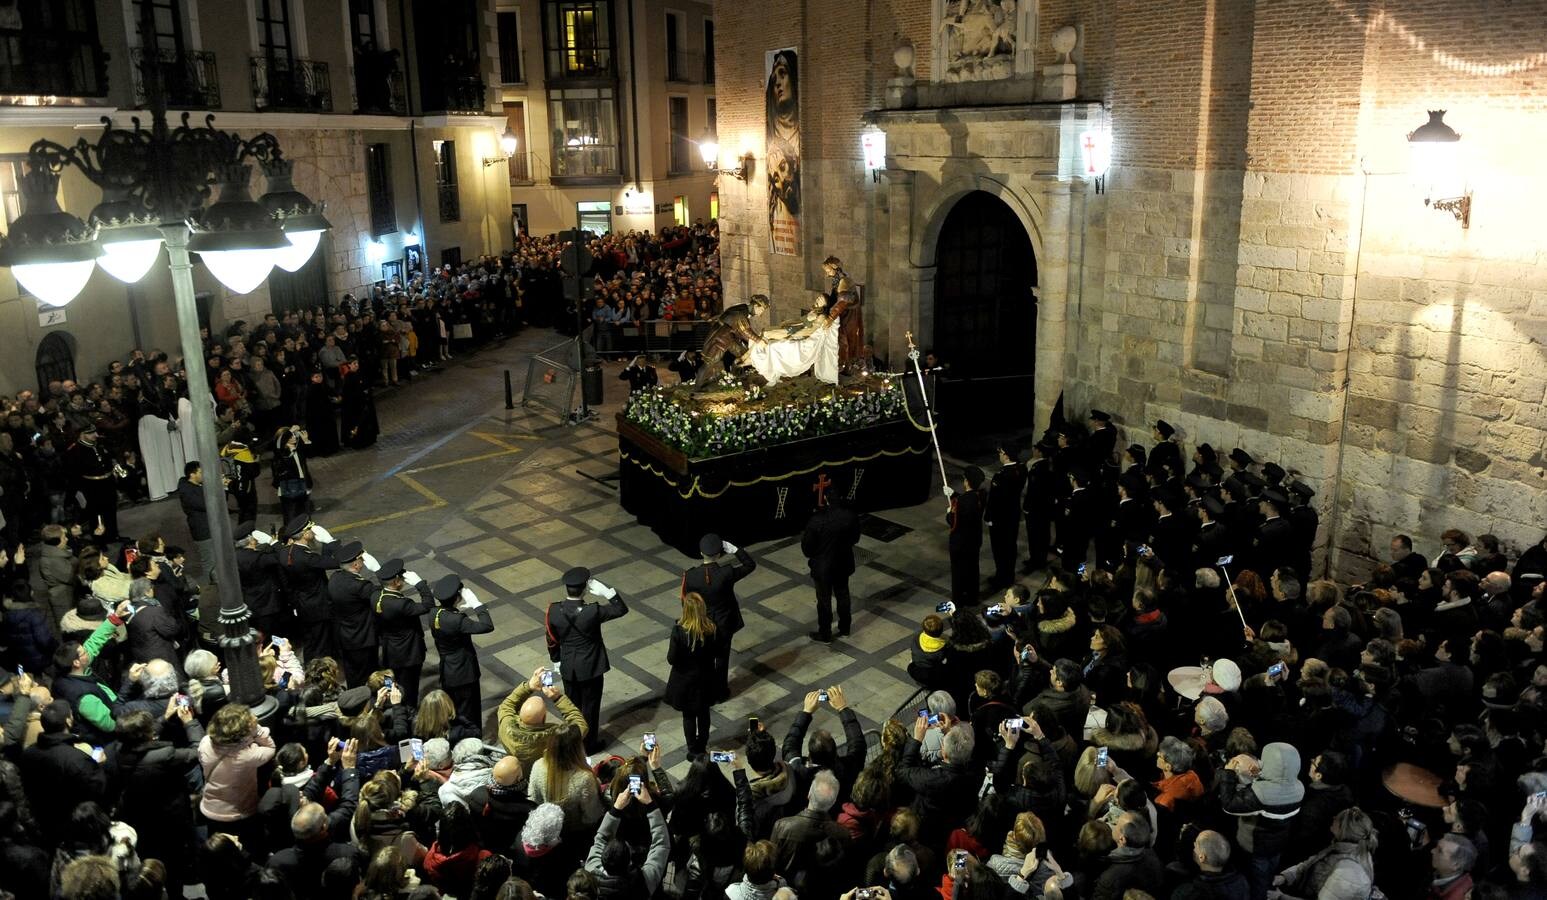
934	719
649	741
722	756
634	784
547	679
1224	560
821	696
1082	568
1276	669
1015	724
1102	756
923	714
387	683
943	607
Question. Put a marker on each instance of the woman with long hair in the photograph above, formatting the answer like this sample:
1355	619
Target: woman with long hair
562	776
1345	869
691	655
437	718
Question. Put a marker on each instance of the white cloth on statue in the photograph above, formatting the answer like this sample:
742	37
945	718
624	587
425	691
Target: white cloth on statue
788	358
163	455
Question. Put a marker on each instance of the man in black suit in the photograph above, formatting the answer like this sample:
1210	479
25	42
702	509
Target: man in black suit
460	616
575	644
965	518
1004	515
400	628
1213	540
1274	546
1101	443
1077	520
828	544
1166	452
1130	522
1305	521
1040	505
1171	538
715	581
351	596
304	572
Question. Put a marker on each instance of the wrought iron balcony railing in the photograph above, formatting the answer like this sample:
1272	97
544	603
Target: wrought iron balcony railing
379	83
51	64
290	85
188	77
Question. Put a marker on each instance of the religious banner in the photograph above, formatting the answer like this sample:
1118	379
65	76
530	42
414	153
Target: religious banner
782	102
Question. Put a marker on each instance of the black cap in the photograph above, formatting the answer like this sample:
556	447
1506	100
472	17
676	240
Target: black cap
446	587
711	545
577	577
1273	472
392	568
1274	497
243	532
1214	505
973	475
1252	479
295	526
1138	450
1134	484
1207	452
1301	489
1199	482
1100	416
1164	427
349	552
1235	486
1241	456
1171	497
354	701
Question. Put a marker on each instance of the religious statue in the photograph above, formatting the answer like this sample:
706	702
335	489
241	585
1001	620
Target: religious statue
844	304
732	333
978	39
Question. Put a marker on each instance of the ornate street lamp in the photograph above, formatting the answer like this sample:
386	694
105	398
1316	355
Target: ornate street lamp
154	185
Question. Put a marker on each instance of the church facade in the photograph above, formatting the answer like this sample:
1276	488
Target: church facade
1224	215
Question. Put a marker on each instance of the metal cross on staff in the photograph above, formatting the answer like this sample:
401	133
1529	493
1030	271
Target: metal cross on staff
913	355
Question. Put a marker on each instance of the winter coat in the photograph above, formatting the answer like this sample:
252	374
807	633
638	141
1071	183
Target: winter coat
526	742
231	776
1265	805
645	882
59	776
1128	868
154	776
692	672
453	872
1343	871
191	497
53	580
153	634
1228	885
29	634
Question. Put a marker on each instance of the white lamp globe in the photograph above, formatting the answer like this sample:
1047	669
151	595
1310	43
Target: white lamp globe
128	261
239	270
54	283
302	245
709	150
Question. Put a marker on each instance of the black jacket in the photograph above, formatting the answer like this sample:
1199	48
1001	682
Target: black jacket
1126	869
692	671
400	627
1004	497
153	634
27	634
259	571
155	788
851	753
943	795
1230	885
305	574
453	632
716	583
191	496
352	600
575	635
965	519
58	778
829	541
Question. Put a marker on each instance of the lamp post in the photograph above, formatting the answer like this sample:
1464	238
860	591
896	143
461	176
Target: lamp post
154	185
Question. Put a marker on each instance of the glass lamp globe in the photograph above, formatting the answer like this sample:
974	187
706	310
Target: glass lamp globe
128	261
55	283
239	270
709	149
508	141
302	245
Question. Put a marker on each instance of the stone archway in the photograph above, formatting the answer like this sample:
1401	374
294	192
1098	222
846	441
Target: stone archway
55	360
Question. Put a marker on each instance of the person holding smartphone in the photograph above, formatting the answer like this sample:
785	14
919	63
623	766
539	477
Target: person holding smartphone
574	632
691	655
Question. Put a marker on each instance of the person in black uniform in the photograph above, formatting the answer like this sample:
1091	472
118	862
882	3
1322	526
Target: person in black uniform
91	469
399	628
1206	462
715	581
1004	515
460	616
828	544
575	644
965	519
351	598
639	374
1101	443
1240	460
304	571
1306	520
1040	505
1166	451
1212	542
1274	546
257	566
1171	538
1130	523
1077	520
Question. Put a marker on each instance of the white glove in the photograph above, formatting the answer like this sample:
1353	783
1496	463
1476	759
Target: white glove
412	578
469	599
370	562
728	546
262	538
603	590
949	492
322	534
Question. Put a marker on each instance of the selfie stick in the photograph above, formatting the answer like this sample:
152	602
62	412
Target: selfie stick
913	354
1234	602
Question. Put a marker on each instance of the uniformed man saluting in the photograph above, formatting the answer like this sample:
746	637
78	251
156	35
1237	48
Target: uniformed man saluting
461	615
715	581
575	645
399	628
305	574
351	598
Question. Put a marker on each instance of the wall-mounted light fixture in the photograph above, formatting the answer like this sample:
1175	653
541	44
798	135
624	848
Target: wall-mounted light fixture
1434	149
508	143
1096	156
873	145
709	149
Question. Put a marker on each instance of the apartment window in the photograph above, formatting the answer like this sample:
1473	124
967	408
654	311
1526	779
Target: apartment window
681	144
362	23
274	28
51	48
578	37
510	48
674	62
712	111
709	51
584	122
10	188
378	185
168	23
446	181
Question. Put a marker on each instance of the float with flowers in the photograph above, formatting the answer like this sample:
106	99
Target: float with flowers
750	461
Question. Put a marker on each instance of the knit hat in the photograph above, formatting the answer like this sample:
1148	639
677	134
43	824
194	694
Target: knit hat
1227	675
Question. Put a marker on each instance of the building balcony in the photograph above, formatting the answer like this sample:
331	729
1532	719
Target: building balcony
281	84
520	168
450	92
189	79
51	64
379	85
585	64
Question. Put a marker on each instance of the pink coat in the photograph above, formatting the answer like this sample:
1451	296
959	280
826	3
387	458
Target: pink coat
231	776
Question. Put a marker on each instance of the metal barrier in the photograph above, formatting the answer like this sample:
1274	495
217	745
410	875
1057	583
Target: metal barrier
551	378
660	336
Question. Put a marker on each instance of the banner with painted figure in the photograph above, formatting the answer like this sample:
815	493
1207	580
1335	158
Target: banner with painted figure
782	102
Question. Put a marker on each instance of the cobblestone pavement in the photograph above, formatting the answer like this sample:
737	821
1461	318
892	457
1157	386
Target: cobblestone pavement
510	499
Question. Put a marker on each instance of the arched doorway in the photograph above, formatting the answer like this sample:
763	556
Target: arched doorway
985	326
55	360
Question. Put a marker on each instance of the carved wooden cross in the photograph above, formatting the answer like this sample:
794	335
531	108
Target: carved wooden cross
821	486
